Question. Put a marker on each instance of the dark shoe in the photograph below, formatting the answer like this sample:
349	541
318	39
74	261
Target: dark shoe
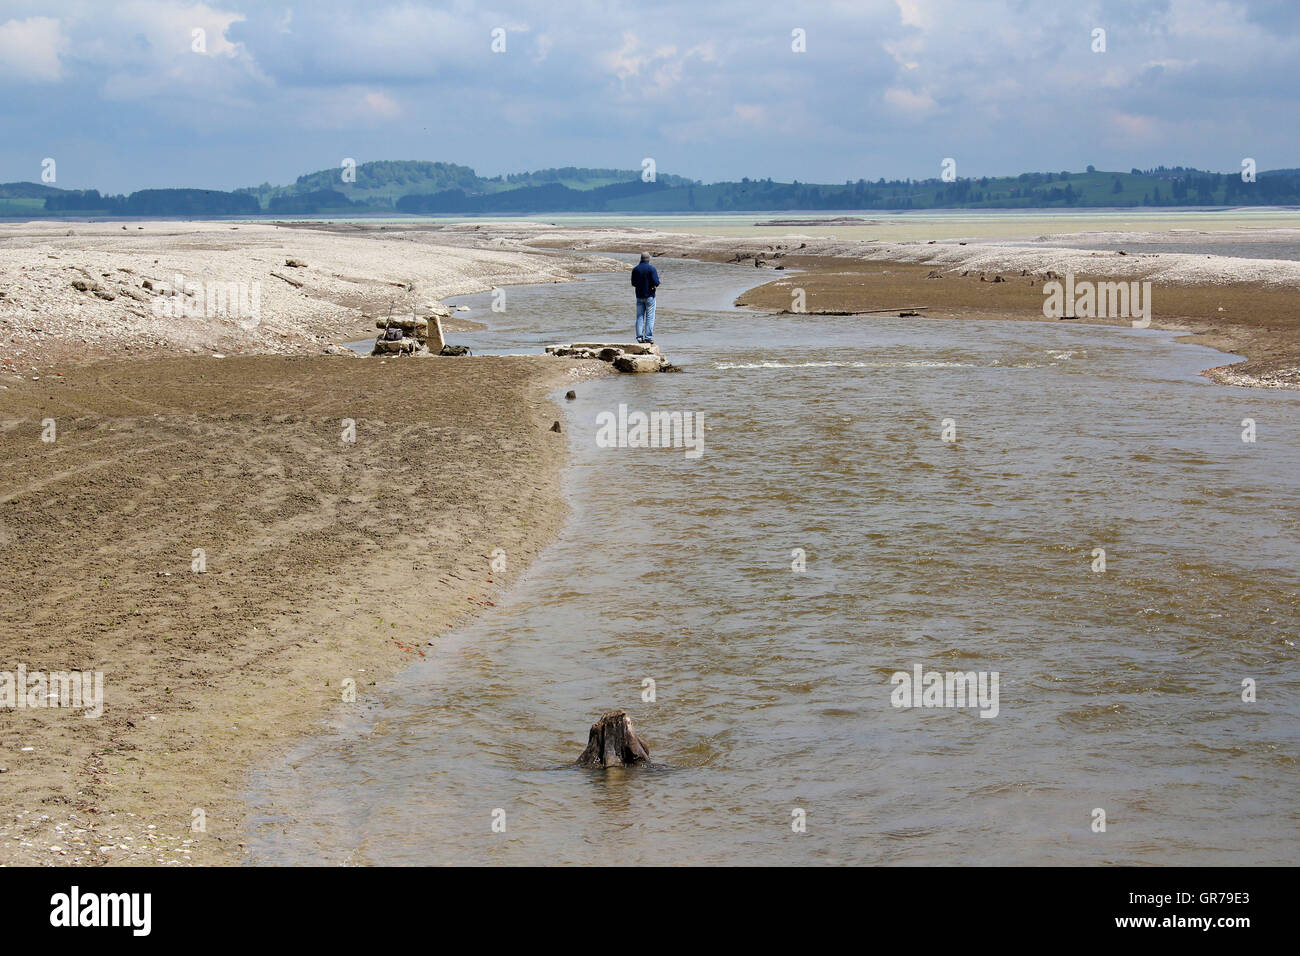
647	341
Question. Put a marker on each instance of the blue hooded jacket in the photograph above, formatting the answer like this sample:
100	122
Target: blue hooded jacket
644	278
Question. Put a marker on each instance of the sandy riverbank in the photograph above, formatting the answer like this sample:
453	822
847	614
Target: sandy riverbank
325	560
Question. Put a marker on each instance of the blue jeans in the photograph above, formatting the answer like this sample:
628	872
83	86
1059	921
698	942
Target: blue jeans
645	318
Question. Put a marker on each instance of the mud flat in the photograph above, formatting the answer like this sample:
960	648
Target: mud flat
324	560
228	524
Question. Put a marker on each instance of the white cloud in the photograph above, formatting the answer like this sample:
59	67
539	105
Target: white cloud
382	105
169	27
31	49
542	46
912	102
660	70
914	13
623	62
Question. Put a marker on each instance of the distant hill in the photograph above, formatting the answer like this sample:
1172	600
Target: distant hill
431	188
380	185
552	197
27	191
1093	188
198	203
25	199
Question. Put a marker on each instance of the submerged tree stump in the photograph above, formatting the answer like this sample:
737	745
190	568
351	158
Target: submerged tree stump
613	742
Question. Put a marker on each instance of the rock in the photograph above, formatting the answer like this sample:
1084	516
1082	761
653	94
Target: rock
626	357
295	263
411	326
630	348
613	742
437	342
146	284
407	346
568	351
555	427
570	395
934	274
454	350
84	285
638	363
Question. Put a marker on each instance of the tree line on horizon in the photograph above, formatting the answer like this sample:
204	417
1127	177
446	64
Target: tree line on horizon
425	188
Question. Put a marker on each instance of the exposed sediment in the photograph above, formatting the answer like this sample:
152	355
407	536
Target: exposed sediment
345	513
87	291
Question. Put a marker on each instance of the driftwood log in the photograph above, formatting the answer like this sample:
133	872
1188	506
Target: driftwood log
613	742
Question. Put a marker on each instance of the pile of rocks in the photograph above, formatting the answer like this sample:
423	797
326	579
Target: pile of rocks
418	336
624	356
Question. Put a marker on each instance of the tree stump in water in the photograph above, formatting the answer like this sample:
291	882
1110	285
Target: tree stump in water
613	742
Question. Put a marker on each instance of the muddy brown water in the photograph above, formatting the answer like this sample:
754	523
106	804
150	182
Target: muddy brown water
1119	690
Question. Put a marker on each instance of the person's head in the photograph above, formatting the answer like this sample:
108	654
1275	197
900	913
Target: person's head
645	257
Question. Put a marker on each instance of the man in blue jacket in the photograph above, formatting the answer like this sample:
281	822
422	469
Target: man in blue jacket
644	280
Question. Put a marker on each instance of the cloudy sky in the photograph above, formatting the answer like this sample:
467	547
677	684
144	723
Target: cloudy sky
125	95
